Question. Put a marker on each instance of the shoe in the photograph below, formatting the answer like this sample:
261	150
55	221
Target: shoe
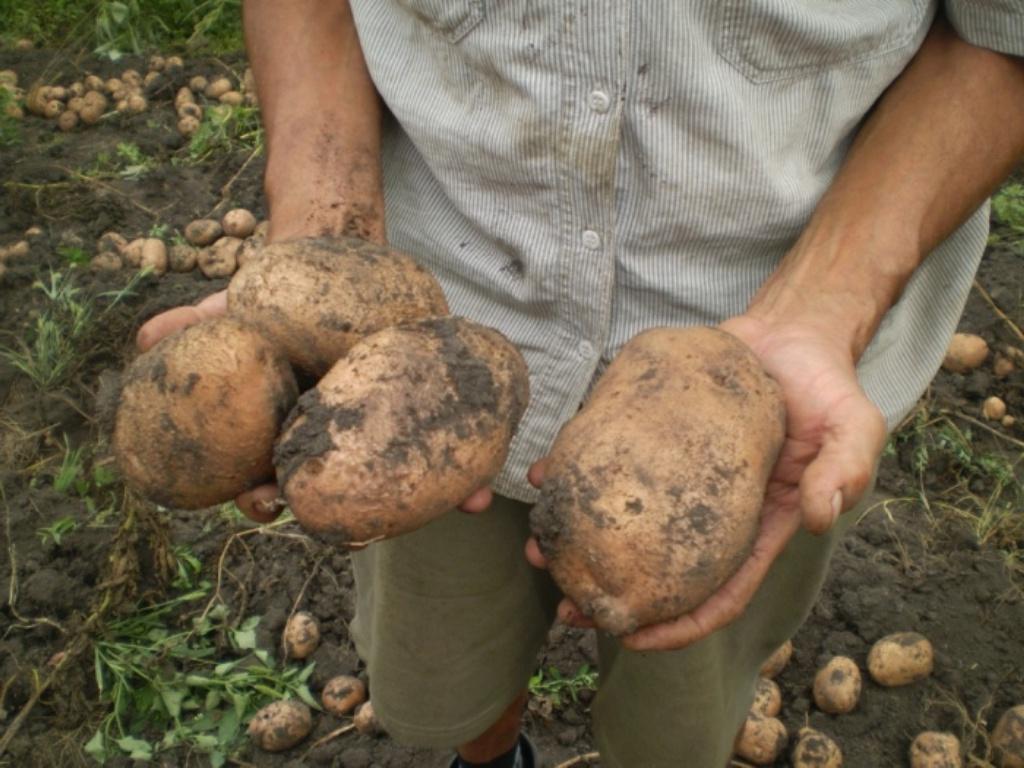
527	754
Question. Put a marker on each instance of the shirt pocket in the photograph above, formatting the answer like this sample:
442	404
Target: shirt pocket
772	40
454	19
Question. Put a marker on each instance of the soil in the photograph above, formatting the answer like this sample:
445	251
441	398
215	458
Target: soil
915	561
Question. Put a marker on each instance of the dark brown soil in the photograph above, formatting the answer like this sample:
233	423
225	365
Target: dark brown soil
907	565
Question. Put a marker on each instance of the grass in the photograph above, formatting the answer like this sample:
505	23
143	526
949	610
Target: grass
554	690
117	27
10	128
167	686
127	162
1008	215
58	348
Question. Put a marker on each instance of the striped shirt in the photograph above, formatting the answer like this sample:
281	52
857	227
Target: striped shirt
576	172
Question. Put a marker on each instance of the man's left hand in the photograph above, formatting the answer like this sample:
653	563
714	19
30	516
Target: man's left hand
834	436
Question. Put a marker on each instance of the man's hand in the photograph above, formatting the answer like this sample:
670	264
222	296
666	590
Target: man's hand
834	436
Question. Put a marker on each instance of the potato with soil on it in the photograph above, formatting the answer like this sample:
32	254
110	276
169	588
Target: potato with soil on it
994	408
932	749
301	635
198	413
965	353
316	297
778	661
221	258
767	698
280	725
342	694
238	222
106	261
365	720
1008	738
203	231
761	740
816	750
837	686
652	493
154	256
900	659
182	257
407	426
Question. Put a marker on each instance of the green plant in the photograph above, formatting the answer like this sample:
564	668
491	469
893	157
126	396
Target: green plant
128	162
56	351
169	686
551	686
57	530
226	129
69	476
1008	207
10	130
73	254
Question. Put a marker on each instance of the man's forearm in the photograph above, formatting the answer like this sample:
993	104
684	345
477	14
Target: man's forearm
940	140
322	117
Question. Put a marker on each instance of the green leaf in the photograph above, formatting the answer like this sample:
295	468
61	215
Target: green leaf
222	669
96	748
217	758
118	12
305	673
137	749
227	728
244	639
306	696
213	698
172	699
205	741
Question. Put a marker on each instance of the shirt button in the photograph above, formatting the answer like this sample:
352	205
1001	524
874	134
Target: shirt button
585	349
599	101
591	240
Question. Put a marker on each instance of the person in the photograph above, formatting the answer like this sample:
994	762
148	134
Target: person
812	178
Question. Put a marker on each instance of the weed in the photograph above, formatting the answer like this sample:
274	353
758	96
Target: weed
73	254
1008	207
10	130
57	530
69	475
168	687
226	129
551	687
56	351
127	162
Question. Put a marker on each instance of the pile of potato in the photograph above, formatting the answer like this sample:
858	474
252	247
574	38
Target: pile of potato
218	90
216	247
414	411
967	352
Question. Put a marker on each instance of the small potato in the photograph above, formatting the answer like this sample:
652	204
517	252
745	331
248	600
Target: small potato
37	98
198	83
67	121
280	725
91	114
837	686
365	720
76	89
1002	366
113	85
1008	421
121	105
816	750
190	110
76	103
670	456
203	231
184	96
53	109
238	223
132	253
182	257
778	661
157	63
16	250
1008	738
131	77
301	635
187	126
137	104
221	258
349	288
150	78
112	241
173	62
58	92
198	412
761	740
232	99
154	256
342	694
993	408
93	83
217	88
406	426
767	698
106	261
900	659
932	749
33	232
965	353
95	98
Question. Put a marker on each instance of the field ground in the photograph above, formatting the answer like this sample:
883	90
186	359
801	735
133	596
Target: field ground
134	634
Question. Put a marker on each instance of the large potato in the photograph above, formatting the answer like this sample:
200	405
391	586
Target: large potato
900	659
280	725
653	490
316	297
410	423
198	414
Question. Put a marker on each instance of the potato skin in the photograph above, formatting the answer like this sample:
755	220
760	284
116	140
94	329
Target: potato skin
761	740
778	661
837	686
900	659
653	491
933	749
1008	738
342	694
411	422
280	725
301	635
767	698
316	297
198	414
816	750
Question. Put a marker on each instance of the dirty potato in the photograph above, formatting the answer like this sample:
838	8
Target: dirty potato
932	749
280	725
816	750
342	694
670	458
301	635
198	413
761	740
837	686
1008	738
778	661
316	297
408	425
900	659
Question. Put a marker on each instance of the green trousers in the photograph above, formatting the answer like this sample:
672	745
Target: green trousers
450	619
